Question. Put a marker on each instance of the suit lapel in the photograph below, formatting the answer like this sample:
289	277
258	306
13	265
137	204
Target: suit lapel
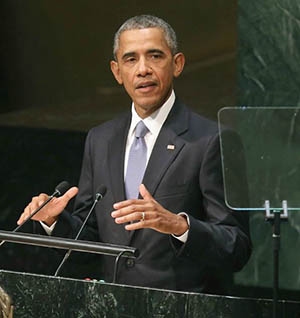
167	147
116	154
161	158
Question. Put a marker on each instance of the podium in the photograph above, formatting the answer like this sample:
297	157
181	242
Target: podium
45	296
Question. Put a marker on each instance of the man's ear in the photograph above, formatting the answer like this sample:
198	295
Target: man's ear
178	60
114	66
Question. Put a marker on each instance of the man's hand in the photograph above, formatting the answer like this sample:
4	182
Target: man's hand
50	212
150	214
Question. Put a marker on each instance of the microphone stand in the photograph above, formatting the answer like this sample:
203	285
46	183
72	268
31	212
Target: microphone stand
99	196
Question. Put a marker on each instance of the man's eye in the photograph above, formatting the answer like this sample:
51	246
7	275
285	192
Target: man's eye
130	60
156	56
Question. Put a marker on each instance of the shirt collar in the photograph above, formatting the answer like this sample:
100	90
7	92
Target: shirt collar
155	121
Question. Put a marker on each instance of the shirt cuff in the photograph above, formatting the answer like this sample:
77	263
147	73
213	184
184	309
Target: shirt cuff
183	238
48	229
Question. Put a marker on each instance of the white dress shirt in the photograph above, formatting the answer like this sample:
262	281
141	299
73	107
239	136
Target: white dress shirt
153	122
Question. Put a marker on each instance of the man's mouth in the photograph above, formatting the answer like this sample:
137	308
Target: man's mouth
145	86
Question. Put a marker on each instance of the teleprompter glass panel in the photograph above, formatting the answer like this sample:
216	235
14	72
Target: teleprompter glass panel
260	148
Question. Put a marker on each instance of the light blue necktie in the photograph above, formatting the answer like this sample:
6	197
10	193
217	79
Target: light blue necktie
136	162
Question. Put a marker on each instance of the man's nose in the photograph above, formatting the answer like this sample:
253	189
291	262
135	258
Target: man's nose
144	67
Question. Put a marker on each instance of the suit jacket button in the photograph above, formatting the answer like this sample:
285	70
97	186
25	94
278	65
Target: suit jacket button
130	262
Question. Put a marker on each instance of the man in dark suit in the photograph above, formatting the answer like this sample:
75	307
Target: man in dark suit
165	192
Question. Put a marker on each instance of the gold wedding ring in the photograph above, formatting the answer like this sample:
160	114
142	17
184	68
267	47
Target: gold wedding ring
143	216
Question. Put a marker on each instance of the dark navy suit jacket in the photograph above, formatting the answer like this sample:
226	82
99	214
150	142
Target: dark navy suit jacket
187	179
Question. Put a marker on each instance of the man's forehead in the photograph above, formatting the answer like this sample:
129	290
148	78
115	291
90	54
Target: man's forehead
142	36
147	38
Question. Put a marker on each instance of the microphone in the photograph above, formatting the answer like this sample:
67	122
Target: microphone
99	195
60	189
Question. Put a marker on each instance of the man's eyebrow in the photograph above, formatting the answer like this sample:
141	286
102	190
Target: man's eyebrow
155	51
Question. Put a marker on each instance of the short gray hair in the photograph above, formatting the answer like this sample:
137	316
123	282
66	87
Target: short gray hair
143	22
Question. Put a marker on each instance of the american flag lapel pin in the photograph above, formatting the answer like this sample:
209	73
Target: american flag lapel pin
171	147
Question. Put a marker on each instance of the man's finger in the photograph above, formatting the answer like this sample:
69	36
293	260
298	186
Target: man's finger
21	218
29	209
136	216
125	203
145	193
138	225
141	206
69	195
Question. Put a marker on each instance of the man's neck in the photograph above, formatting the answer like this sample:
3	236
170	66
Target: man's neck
144	113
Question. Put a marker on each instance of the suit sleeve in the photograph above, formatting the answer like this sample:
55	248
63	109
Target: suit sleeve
221	238
68	224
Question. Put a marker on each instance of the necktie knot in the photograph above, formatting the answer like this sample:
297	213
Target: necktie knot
141	130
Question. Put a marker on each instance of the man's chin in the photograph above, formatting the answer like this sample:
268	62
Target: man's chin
147	107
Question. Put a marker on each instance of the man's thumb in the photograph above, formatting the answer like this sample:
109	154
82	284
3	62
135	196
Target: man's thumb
69	194
145	193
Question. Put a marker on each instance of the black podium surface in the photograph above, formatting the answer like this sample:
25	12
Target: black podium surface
45	296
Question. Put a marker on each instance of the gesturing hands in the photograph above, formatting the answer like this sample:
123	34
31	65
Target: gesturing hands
150	214
50	212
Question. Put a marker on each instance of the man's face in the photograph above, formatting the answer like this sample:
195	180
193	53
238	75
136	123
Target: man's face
146	67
